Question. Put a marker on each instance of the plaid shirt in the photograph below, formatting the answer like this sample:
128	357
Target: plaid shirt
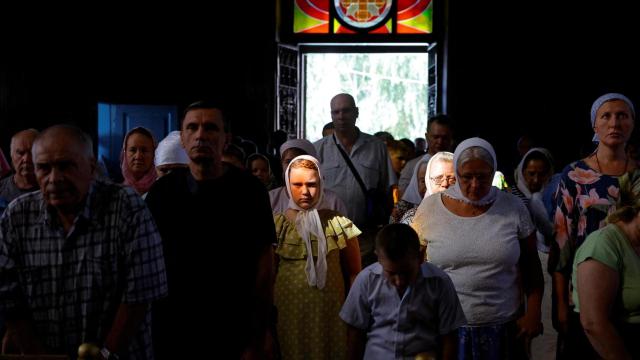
72	286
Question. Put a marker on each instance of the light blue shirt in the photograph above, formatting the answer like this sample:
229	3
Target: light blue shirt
369	156
400	328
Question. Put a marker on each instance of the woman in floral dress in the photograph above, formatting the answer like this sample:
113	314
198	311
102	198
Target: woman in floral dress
587	193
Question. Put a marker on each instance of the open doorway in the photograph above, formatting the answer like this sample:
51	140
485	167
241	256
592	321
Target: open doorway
391	90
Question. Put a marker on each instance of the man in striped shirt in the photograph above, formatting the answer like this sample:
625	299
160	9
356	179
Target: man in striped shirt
80	260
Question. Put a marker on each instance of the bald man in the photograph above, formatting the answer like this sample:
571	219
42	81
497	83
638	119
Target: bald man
24	179
370	159
85	267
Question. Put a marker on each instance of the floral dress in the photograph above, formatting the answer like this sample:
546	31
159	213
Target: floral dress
308	323
400	210
583	200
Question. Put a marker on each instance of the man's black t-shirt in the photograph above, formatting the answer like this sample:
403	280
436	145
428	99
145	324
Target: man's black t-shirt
213	233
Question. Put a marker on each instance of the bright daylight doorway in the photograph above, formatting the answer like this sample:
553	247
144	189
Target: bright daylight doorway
391	91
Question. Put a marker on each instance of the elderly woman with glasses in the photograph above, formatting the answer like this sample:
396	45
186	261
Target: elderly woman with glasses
485	241
432	174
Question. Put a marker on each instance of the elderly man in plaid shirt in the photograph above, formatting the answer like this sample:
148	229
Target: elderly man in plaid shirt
80	260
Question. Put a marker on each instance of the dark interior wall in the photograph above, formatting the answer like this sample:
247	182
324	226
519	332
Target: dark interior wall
175	56
526	67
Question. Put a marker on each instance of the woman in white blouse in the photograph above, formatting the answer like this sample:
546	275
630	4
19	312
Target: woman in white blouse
485	241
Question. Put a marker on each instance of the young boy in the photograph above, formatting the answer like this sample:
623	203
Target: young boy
401	307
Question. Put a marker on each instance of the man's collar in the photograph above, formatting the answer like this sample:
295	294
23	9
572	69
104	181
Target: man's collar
49	213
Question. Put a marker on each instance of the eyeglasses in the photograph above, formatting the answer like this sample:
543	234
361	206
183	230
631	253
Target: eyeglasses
440	178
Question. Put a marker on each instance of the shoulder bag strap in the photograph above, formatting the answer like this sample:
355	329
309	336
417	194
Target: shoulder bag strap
351	167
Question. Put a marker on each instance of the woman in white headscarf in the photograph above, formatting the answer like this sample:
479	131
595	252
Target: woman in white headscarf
483	238
532	176
170	154
279	196
430	176
317	252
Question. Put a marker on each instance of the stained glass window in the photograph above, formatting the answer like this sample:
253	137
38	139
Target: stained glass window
363	16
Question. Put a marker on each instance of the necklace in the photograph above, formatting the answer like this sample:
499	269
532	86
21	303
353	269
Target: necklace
626	164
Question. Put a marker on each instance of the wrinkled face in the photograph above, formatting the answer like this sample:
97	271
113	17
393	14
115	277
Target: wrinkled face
422	185
140	154
343	113
536	174
614	123
442	176
260	169
475	179
162	170
305	187
439	138
203	135
21	157
400	273
63	170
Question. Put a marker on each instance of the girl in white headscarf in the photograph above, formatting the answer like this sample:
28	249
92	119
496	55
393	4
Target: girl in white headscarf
317	252
483	238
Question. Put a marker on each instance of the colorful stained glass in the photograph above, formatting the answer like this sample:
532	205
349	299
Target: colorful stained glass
415	16
362	16
311	16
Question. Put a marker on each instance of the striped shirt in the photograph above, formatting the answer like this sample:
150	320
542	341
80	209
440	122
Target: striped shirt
72	285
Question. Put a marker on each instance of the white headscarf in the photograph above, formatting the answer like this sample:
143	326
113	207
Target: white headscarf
519	176
603	99
442	156
302	144
412	194
454	191
308	223
170	150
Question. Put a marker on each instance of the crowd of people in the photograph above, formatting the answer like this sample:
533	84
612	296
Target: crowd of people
355	246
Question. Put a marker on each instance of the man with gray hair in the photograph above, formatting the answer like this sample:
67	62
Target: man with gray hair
80	260
24	179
